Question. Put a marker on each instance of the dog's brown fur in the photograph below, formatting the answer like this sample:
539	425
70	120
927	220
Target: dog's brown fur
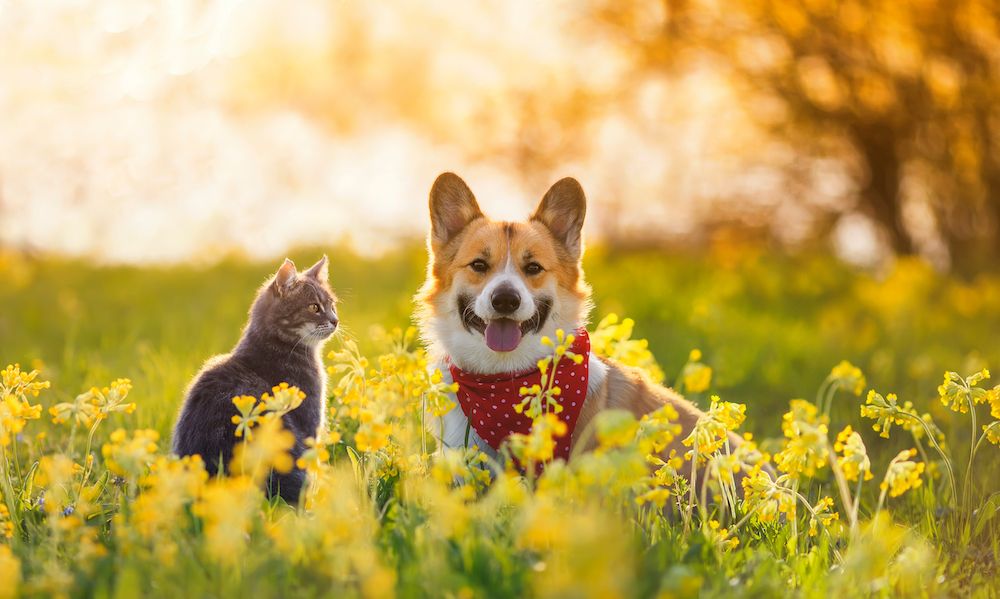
461	234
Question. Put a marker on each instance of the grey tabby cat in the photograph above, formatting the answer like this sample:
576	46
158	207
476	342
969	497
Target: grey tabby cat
291	318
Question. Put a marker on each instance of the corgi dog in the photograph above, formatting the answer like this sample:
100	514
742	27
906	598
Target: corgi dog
494	289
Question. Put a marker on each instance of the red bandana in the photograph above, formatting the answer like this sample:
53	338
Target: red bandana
488	400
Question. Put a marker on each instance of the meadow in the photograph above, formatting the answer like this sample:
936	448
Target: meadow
792	350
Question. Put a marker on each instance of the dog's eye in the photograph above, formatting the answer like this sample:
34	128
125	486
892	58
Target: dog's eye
314	308
479	265
533	268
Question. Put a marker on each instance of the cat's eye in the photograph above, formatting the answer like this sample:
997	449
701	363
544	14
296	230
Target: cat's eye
479	265
314	308
533	268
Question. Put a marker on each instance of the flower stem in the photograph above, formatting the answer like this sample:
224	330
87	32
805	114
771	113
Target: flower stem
944	458
983	437
881	500
8	489
845	492
967	483
694	482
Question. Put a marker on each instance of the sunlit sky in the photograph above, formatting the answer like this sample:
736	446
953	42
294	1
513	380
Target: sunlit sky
163	131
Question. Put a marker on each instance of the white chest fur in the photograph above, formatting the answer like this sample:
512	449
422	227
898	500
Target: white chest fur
454	431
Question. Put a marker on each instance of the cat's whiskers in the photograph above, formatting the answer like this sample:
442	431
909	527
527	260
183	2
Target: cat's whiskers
301	339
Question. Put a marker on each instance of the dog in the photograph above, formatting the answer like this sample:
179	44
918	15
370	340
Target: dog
494	290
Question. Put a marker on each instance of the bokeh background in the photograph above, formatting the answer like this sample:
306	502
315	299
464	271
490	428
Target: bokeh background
782	184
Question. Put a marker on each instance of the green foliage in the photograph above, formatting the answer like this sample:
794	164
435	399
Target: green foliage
384	514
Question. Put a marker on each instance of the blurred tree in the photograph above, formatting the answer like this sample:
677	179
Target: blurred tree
911	91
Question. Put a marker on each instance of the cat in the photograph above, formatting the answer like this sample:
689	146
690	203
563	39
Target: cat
290	319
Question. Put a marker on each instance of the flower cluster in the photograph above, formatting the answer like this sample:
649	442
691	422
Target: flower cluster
806	447
885	411
282	400
6	526
853	456
380	489
848	377
613	339
95	405
822	514
765	498
543	398
959	394
695	376
16	387
902	474
130	455
711	432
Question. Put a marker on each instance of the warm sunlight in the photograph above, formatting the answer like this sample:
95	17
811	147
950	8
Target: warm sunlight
596	299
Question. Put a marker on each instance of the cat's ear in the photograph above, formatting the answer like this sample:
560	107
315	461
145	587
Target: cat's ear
319	271
284	278
452	208
562	210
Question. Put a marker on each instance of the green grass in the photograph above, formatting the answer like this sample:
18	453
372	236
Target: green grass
770	326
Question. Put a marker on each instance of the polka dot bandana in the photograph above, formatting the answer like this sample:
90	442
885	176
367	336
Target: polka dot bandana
488	400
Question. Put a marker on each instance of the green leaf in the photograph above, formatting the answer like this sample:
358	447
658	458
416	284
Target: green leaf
987	512
355	462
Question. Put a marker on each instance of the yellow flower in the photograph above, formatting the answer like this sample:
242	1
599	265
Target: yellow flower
848	377
613	339
6	526
886	411
902	474
853	460
316	454
269	450
667	471
959	393
765	498
81	410
14	381
10	573
543	525
657	496
992	432
822	514
15	409
806	447
538	446
657	429
111	399
719	536
465	465
284	399
227	506
249	415
438	394
171	485
993	396
57	477
711	431
615	428
695	376
373	434
130	456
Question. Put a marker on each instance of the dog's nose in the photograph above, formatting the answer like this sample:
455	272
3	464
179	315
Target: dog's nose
505	300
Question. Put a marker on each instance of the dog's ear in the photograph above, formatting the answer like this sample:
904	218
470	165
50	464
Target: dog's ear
562	210
319	271
284	278
452	206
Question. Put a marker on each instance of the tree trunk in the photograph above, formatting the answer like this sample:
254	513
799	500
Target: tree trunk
877	147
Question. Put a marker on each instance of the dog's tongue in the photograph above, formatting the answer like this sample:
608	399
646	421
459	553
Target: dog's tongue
503	334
